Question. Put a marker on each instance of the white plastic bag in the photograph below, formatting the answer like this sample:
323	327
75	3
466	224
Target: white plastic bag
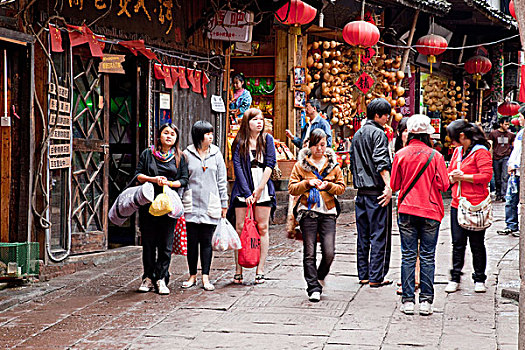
176	204
225	237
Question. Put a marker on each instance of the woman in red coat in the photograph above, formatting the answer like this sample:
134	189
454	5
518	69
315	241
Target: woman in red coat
420	174
472	165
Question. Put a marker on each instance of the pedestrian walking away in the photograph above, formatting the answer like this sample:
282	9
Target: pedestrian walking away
317	179
512	197
370	165
203	205
163	164
253	161
471	165
501	140
420	174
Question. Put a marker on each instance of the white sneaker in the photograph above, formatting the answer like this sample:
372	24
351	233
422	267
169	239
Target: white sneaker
146	285
451	287
315	297
479	287
425	308
408	308
163	290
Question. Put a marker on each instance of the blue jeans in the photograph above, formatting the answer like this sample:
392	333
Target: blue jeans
511	207
414	231
501	175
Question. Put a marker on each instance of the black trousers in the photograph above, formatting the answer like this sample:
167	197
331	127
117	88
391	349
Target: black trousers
459	245
374	230
157	242
312	224
199	234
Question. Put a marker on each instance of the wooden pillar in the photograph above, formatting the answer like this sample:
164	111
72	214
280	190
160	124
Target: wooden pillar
5	186
280	106
290	111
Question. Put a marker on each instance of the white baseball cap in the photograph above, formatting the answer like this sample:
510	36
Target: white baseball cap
420	124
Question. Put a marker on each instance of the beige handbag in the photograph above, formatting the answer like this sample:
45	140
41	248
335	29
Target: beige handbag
474	217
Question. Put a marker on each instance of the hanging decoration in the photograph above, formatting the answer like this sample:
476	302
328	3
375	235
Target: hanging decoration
512	10
508	108
296	13
163	72
81	35
55	39
362	35
478	65
136	46
431	46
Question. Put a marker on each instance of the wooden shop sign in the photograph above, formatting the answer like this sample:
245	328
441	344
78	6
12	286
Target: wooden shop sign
61	134
57	163
62	120
59	149
112	64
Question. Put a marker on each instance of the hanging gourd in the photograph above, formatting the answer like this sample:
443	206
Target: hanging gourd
508	108
477	66
431	46
362	35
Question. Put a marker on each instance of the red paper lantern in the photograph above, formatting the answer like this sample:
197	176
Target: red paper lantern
478	65
361	34
515	121
296	13
512	10
431	46
508	108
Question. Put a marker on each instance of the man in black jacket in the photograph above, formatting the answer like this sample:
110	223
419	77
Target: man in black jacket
370	165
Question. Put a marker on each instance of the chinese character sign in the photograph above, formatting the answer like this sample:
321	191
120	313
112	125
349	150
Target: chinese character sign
231	26
364	83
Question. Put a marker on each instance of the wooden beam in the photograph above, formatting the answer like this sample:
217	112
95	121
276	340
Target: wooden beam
280	104
290	112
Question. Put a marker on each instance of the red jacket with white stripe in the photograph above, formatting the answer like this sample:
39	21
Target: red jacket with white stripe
424	199
477	163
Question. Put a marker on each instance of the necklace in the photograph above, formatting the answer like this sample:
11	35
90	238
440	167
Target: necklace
203	158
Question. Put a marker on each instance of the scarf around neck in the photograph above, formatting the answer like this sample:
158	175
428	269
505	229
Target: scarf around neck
163	157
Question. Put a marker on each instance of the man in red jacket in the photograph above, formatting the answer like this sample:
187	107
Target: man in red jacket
420	174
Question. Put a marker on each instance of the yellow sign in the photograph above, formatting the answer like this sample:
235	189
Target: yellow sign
112	64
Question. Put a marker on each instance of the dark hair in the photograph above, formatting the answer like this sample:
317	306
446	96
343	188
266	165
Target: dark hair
425	138
503	120
239	77
176	150
401	127
316	136
378	106
522	110
315	103
242	140
198	130
471	132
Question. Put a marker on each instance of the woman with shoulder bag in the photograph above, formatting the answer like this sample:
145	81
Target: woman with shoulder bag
420	174
470	172
317	179
253	156
163	164
205	200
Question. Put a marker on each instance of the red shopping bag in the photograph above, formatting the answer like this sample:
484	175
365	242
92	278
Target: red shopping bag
250	253
180	242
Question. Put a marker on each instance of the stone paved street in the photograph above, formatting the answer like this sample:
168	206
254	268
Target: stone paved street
98	308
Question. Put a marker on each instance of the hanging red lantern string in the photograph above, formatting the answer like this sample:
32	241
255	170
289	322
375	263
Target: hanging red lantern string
431	46
512	10
508	108
478	65
362	35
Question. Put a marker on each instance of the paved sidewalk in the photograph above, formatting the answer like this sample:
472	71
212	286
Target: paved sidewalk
99	308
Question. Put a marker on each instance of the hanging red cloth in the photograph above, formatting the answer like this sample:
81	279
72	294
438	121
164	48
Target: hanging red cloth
136	46
55	38
81	35
182	77
163	72
522	84
196	85
205	81
174	74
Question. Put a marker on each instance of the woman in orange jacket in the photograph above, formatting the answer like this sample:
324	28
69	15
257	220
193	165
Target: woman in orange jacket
317	179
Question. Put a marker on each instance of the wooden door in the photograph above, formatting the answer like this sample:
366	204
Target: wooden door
89	223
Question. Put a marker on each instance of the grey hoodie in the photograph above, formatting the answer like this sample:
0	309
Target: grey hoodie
206	193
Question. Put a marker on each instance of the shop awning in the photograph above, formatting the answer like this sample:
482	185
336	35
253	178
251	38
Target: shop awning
434	7
494	15
16	37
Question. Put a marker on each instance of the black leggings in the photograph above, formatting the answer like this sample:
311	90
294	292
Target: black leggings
199	234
